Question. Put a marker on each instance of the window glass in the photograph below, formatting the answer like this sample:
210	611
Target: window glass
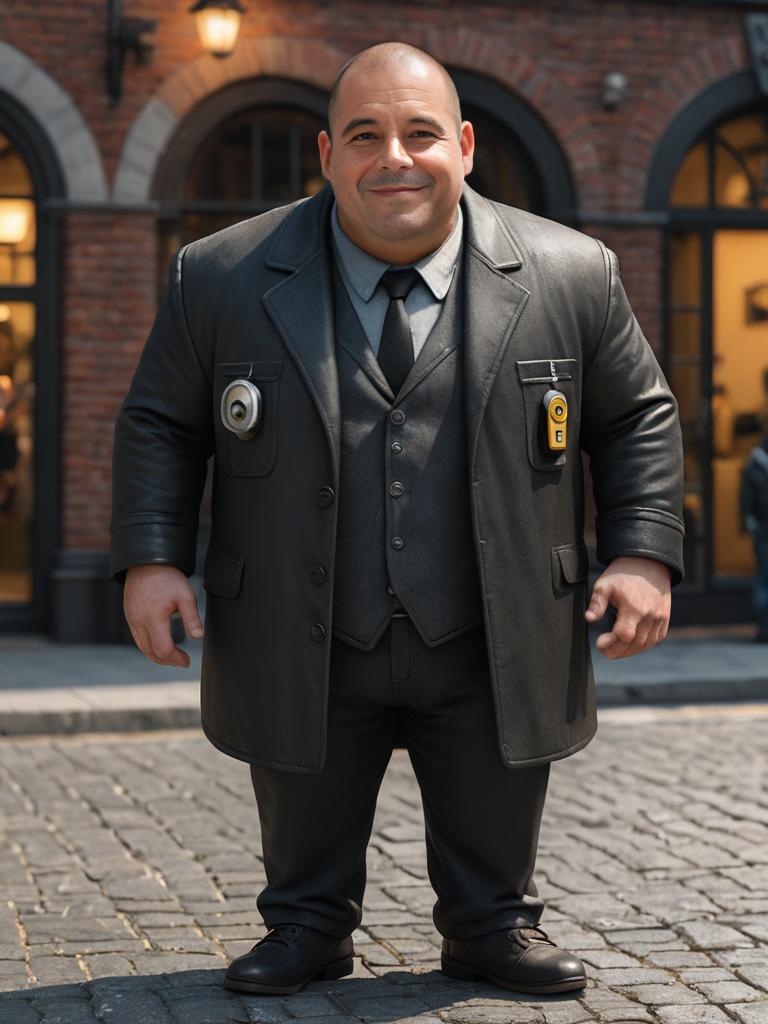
691	185
17	218
17	442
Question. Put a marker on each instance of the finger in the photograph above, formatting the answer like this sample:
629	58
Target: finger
193	625
661	630
610	645
143	642
625	626
645	633
597	605
163	646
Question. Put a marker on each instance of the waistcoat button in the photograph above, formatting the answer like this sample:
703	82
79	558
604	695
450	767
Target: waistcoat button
396	447
318	574
397	416
396	489
324	497
398	543
317	632
390	591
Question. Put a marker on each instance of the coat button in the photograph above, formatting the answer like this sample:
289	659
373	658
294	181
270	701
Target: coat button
398	543
317	632
318	574
324	497
390	591
396	447
397	416
396	489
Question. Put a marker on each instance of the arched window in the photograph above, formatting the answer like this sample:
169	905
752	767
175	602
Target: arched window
502	168
18	277
517	158
247	149
716	351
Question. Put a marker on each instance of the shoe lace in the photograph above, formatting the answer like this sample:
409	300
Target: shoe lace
531	934
284	933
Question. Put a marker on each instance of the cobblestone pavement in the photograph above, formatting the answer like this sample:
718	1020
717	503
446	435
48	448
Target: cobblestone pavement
130	869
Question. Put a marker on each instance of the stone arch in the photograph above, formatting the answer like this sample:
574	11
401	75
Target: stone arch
316	63
492	56
659	108
63	125
304	60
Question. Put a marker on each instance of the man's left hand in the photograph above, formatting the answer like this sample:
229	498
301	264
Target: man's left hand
640	591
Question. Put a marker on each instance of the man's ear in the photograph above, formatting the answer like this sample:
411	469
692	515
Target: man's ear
324	146
467	144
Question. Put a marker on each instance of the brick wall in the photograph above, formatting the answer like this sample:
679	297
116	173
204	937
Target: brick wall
552	54
109	305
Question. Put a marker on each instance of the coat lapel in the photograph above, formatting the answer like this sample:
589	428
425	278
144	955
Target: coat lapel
493	303
301	307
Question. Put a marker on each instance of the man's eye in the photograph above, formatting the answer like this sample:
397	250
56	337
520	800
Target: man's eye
423	131
363	135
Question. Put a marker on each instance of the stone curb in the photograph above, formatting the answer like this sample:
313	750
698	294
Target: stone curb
141	708
681	691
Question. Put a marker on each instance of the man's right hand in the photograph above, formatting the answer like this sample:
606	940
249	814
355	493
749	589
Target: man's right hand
152	593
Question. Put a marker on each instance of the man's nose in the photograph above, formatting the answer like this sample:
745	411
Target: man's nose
393	154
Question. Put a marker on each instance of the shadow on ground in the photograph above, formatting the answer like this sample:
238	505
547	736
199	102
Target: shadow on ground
198	997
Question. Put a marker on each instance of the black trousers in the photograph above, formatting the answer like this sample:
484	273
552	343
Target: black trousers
482	819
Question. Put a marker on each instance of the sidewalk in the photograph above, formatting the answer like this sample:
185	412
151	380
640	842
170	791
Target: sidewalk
131	872
62	688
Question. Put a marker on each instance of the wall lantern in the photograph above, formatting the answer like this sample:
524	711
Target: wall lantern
14	221
124	34
218	24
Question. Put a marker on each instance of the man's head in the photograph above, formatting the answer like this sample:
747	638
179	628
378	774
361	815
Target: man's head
396	151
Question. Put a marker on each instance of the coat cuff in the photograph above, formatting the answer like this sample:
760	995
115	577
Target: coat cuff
152	543
644	533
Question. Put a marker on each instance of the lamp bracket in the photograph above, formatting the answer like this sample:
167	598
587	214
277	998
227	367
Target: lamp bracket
124	35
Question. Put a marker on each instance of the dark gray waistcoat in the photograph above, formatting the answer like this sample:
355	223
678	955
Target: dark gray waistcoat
405	528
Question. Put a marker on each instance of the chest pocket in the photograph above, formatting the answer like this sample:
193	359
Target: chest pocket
537	377
256	455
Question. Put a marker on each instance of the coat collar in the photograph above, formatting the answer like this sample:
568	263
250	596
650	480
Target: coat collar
301	305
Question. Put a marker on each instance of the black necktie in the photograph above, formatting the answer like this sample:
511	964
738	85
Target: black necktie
396	345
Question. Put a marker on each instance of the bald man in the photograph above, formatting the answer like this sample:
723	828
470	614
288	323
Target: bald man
397	377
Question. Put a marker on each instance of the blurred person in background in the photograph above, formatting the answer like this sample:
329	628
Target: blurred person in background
754	519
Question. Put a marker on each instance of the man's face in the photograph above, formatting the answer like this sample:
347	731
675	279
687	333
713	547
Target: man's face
397	160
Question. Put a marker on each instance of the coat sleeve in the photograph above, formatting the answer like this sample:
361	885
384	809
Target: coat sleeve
631	432
163	438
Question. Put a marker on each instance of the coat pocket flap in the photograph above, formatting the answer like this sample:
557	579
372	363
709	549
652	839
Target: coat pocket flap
222	573
544	371
570	562
253	369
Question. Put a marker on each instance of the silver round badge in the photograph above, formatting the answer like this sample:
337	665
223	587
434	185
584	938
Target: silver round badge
241	407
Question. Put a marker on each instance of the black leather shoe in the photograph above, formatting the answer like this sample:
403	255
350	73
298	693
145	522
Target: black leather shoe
520	959
287	958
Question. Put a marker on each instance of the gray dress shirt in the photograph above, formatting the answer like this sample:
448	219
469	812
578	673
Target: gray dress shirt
361	274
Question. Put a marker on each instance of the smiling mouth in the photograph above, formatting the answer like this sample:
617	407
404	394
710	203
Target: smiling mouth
396	189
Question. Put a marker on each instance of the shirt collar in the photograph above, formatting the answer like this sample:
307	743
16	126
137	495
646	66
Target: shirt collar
364	271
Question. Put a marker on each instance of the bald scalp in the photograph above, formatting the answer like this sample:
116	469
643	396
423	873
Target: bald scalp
394	56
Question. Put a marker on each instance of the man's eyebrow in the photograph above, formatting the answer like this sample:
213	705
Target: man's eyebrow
357	122
429	121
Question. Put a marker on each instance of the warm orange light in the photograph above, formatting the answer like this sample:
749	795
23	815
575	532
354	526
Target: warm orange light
218	25
14	221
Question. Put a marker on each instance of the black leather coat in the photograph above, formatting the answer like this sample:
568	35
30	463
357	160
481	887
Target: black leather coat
545	308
